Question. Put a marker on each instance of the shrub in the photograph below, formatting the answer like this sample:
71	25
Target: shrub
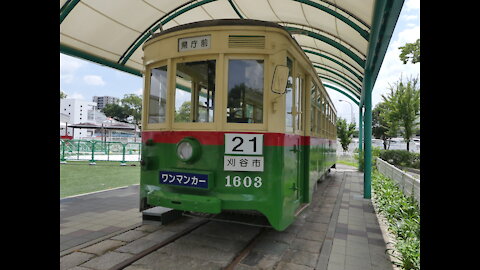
403	216
359	157
401	158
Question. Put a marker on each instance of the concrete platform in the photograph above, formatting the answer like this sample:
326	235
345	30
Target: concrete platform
89	217
339	231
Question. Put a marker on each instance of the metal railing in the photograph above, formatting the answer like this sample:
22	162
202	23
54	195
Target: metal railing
93	150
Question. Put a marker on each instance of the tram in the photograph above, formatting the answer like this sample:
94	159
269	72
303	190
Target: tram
235	118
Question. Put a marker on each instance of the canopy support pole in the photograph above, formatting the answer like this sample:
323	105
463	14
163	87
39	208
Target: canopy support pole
360	133
367	157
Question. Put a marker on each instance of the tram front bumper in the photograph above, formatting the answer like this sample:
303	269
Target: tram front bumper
186	202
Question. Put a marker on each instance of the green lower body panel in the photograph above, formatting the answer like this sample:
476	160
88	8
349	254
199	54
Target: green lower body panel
186	202
285	182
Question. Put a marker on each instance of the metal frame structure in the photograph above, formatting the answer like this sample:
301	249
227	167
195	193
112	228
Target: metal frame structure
350	33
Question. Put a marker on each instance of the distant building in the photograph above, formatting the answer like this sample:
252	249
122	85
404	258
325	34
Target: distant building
103	101
77	111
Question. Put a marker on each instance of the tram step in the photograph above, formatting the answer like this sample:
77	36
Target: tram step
162	214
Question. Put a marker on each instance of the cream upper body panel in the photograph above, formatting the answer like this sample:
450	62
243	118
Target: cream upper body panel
223	43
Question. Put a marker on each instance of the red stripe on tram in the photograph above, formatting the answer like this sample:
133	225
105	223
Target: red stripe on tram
218	137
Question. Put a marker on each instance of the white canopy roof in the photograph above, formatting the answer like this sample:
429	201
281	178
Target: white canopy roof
345	39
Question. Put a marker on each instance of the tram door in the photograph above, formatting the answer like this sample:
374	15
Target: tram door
299	130
294	125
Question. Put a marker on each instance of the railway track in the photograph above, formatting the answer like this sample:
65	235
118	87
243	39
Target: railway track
207	242
226	250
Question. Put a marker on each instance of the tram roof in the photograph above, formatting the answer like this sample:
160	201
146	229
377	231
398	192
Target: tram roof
345	40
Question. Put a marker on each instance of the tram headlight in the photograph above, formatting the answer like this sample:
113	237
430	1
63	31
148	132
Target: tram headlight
188	149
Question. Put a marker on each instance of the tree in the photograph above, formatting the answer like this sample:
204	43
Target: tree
133	107
116	112
345	132
183	114
130	108
403	107
410	51
62	95
382	127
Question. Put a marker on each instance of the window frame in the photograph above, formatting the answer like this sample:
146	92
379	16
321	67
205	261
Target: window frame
266	84
146	95
172	88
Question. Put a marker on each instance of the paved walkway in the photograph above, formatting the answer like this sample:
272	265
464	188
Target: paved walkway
354	239
339	231
92	216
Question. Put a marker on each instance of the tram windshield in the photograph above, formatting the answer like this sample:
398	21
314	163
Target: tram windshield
245	91
195	91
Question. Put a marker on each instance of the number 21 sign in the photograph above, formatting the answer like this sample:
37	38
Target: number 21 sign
244	144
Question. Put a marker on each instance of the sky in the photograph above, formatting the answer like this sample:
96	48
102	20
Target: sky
407	30
83	79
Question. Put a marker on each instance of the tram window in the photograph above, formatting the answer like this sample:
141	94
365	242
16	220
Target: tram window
195	91
245	91
289	98
158	95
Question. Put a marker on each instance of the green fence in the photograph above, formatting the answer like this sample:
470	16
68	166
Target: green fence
99	151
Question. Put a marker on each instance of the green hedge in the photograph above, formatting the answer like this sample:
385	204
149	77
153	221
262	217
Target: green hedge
401	158
403	215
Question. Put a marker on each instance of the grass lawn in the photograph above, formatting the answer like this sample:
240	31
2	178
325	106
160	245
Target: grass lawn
349	163
77	177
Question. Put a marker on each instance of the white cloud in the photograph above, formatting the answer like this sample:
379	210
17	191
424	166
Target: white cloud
94	80
411	17
67	78
68	67
412	5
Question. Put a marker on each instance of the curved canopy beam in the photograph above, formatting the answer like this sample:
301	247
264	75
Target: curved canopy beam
330	42
337	73
186	7
323	55
328	78
321	32
66	8
365	34
342	92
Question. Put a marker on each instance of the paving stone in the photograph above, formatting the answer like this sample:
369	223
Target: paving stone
301	257
214	242
272	247
199	252
292	266
103	246
357	263
260	260
149	227
107	260
161	260
306	245
74	259
159	236
312	235
137	246
319	227
129	236
284	237
335	266
231	231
